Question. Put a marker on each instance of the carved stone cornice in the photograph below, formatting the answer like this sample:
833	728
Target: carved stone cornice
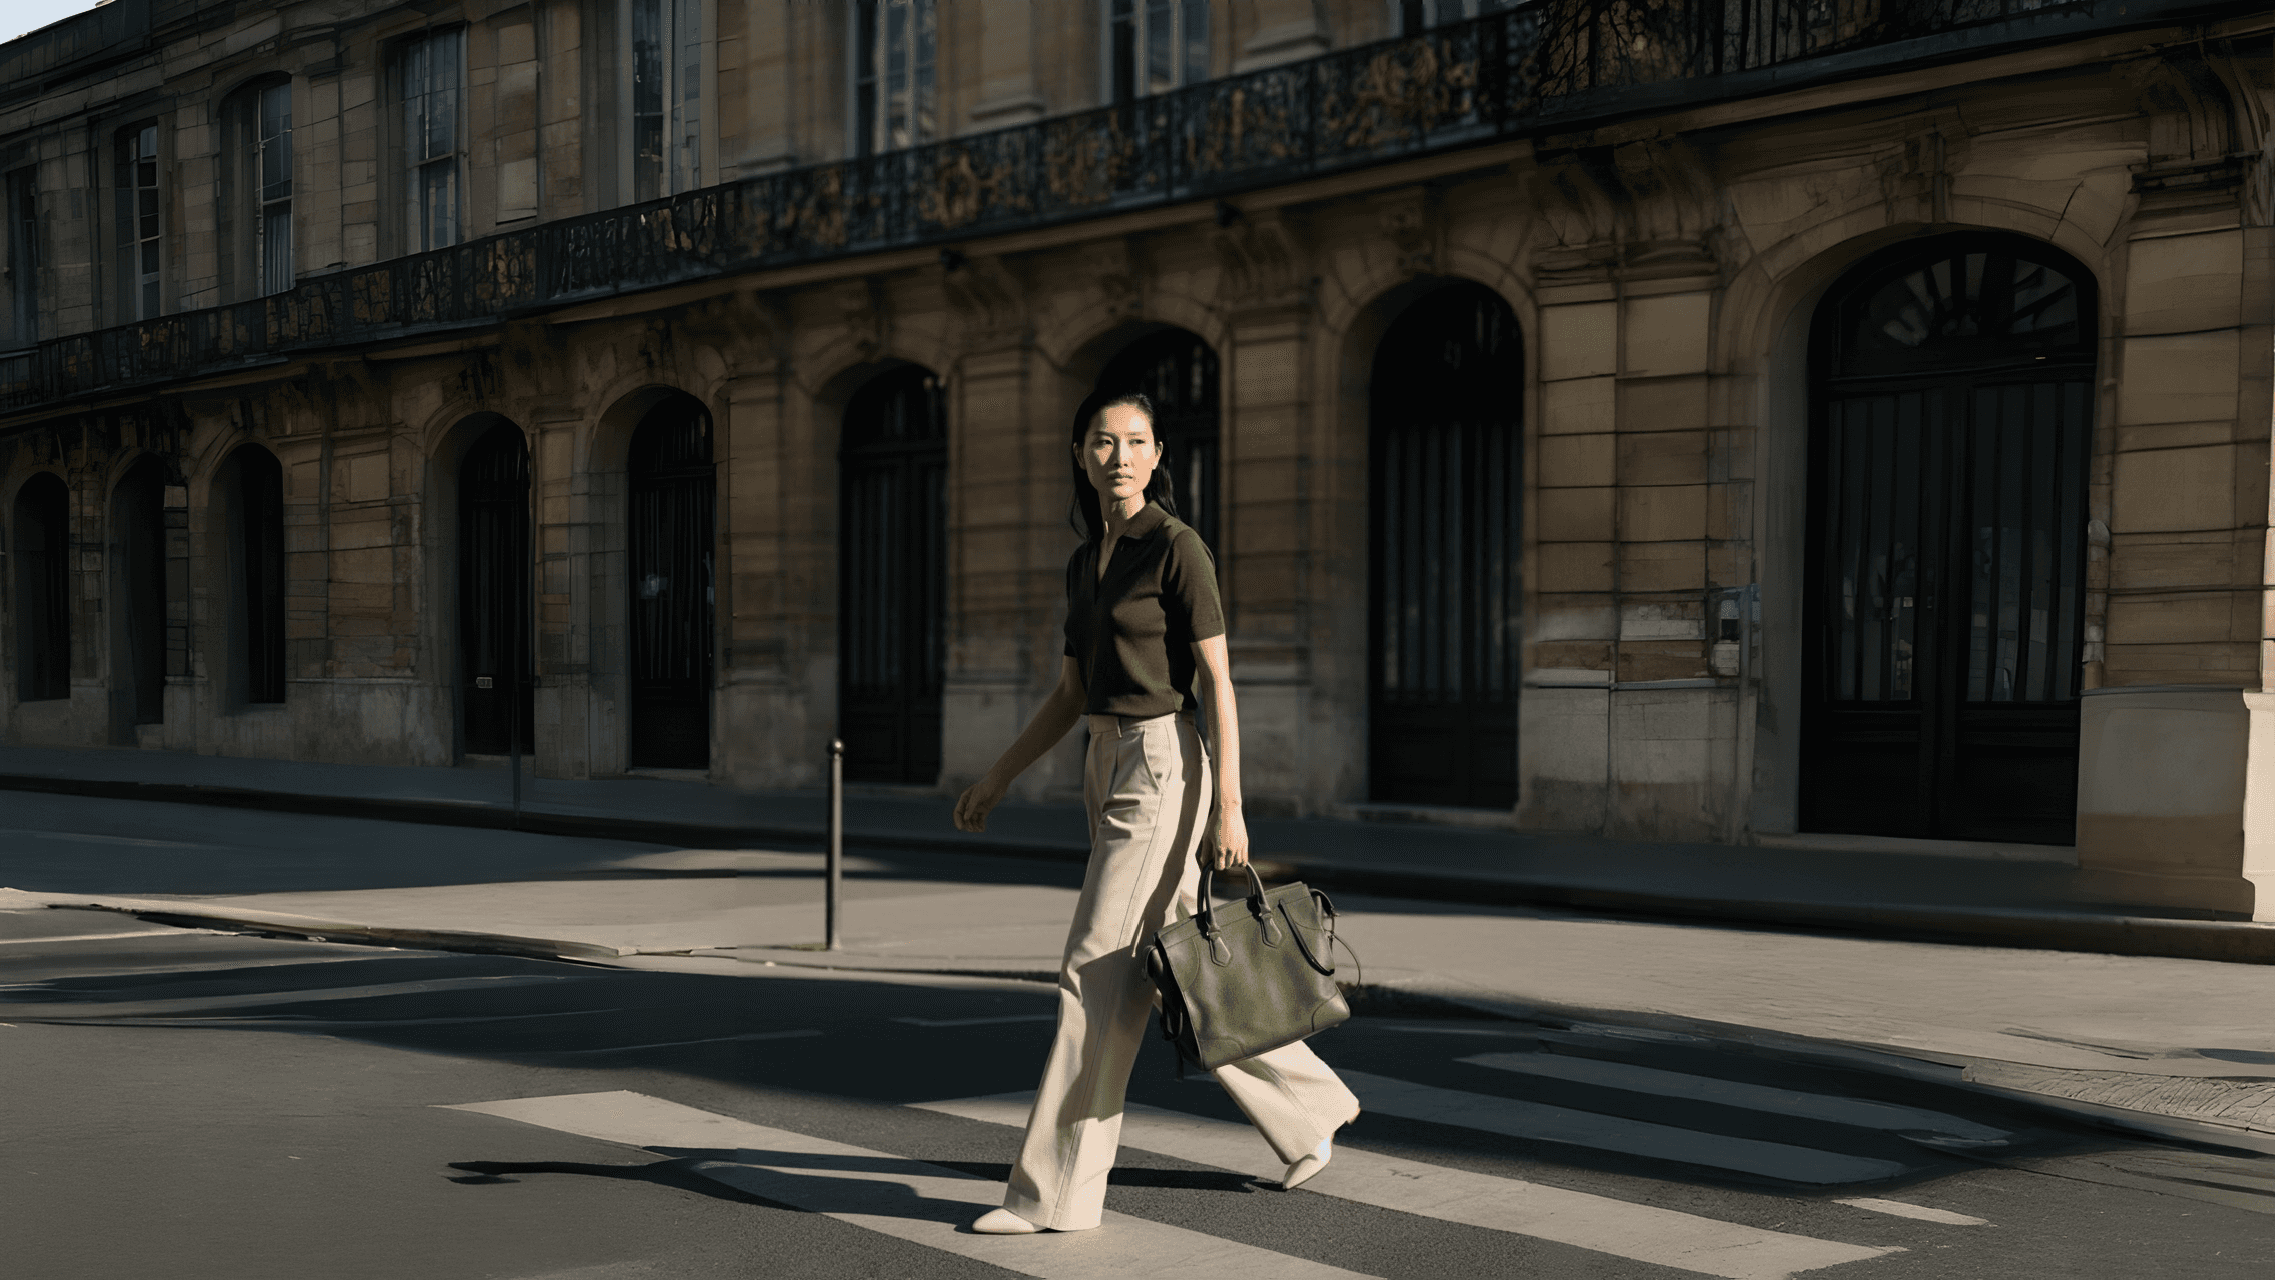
1266	265
990	302
1409	221
1643	210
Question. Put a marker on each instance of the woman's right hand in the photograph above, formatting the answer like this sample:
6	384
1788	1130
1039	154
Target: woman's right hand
973	806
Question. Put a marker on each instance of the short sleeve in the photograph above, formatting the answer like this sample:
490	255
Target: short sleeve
1188	588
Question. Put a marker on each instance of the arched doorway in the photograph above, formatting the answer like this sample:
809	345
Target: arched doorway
138	521
1952	423
1178	372
496	667
43	589
1447	453
893	577
669	553
252	484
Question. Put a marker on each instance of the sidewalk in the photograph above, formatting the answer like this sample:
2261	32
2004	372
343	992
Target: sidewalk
2178	1048
2020	904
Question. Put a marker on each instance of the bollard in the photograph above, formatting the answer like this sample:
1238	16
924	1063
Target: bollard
836	857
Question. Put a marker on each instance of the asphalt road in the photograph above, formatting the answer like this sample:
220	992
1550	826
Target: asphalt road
187	1104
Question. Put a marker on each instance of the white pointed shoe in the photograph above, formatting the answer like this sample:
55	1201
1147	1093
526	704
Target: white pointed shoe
1302	1170
1003	1222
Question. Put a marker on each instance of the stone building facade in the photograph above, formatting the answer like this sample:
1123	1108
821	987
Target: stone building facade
1840	425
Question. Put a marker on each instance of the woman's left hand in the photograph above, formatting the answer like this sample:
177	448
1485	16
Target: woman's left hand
1228	840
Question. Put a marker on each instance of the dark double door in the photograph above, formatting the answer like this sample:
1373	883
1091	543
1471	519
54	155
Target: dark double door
892	646
497	673
670	550
1447	453
1945	611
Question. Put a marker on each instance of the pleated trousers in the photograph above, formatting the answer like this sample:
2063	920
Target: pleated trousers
1148	788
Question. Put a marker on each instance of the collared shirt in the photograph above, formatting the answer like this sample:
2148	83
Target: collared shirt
1132	632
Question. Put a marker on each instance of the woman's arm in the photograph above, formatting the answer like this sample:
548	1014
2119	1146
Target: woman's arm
1228	831
1057	715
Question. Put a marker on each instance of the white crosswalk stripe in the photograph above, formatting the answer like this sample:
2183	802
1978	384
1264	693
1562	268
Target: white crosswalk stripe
1920	1211
1602	1224
1753	1097
1543	1123
899	1197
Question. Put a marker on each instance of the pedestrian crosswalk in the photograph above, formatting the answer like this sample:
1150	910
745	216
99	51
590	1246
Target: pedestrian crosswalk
909	1199
928	1205
1640	1232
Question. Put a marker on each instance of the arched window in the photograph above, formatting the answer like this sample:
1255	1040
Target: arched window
669	547
138	598
895	47
1952	430
665	90
497	671
1446	551
43	589
1153	46
253	486
1177	370
893	578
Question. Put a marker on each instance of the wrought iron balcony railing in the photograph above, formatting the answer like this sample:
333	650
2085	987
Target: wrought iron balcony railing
1549	66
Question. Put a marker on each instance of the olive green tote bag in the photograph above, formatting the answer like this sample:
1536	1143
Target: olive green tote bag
1244	980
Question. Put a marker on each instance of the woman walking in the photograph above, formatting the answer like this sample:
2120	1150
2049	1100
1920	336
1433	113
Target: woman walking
1144	647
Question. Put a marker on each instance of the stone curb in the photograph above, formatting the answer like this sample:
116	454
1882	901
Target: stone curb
2237	942
188	913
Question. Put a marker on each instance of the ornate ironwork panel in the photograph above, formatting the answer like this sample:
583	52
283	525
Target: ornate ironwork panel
1447	659
1954	424
893	578
259	571
42	602
497	671
138	506
670	549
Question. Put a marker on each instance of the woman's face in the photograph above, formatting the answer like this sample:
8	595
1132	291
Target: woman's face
1119	454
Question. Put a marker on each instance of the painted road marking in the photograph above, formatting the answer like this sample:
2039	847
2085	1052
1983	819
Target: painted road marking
896	1196
1601	1224
674	1044
978	1022
191	1004
1543	1123
1919	1211
103	937
1731	1093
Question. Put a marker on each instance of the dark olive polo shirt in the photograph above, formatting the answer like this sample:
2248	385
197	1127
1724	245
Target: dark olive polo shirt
1133	631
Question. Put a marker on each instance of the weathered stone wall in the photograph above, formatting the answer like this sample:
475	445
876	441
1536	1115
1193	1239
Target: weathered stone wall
1664	275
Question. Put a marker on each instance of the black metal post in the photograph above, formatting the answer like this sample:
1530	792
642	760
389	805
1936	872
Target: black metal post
835	862
513	721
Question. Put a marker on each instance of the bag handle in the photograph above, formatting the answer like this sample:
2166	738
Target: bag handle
1207	913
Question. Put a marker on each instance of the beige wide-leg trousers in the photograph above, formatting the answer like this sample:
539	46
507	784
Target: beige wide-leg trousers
1148	788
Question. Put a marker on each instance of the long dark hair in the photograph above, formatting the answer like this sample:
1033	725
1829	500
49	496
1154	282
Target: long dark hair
1085	515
